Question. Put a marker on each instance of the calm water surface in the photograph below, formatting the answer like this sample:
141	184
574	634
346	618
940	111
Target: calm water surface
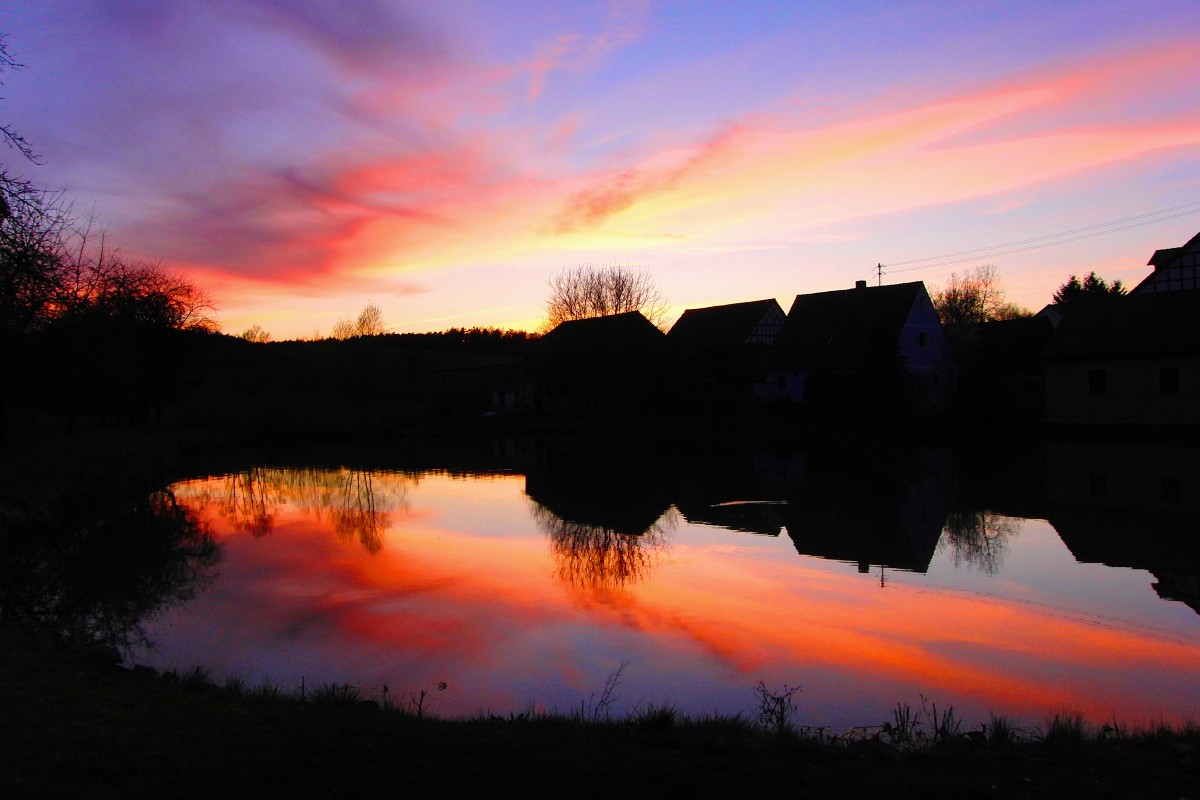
527	589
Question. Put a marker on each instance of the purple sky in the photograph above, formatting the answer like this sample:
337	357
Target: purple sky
301	159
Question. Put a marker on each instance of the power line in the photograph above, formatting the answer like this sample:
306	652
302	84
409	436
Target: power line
1060	234
1021	250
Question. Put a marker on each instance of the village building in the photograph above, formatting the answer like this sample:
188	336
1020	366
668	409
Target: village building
727	348
1132	359
1175	269
879	346
602	364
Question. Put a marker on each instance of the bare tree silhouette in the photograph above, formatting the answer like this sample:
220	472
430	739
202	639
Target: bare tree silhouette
973	297
979	539
587	291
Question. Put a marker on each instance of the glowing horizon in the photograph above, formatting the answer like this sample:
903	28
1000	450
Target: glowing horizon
443	162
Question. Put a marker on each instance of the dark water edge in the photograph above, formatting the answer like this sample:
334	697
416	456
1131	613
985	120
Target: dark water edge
73	726
53	485
70	728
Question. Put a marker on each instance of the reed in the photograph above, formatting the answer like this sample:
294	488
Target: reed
335	694
1001	731
1065	727
658	716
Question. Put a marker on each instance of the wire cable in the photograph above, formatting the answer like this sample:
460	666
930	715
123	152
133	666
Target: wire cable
1036	246
1190	205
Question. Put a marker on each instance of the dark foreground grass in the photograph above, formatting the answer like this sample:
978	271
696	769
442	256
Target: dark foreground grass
71	728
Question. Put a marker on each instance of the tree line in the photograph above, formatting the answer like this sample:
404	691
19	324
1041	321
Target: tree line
978	296
77	318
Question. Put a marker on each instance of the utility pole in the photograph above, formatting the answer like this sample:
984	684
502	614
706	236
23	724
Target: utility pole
879	274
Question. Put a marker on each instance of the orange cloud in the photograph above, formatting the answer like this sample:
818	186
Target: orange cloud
369	219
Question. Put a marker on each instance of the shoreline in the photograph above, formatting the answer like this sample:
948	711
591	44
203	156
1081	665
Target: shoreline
74	724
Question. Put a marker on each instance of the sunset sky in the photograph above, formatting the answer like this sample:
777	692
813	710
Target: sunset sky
301	158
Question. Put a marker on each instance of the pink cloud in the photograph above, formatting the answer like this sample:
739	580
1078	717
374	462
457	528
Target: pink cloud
435	175
612	194
772	169
626	23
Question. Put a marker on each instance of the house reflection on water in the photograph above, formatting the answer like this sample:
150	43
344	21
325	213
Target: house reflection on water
1134	506
526	569
609	513
886	512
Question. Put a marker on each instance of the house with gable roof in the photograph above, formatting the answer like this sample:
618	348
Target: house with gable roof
1175	269
727	347
608	363
865	346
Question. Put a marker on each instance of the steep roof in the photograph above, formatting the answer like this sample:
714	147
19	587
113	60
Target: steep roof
1166	255
613	332
842	327
722	326
1163	256
1163	260
1158	323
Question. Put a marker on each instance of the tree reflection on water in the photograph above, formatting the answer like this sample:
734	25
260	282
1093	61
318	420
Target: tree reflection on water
978	539
98	577
358	503
599	557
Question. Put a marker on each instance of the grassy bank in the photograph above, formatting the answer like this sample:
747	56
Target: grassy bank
73	726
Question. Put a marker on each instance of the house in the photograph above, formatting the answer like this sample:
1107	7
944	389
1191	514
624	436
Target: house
1175	269
612	363
861	346
1132	359
726	347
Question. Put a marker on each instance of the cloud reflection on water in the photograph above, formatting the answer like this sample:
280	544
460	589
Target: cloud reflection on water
510	614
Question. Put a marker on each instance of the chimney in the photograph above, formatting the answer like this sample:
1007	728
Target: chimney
860	284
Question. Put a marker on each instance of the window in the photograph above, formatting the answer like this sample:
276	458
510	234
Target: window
1097	381
1168	379
922	339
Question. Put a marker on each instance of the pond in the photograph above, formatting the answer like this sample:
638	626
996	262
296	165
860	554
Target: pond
525	575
